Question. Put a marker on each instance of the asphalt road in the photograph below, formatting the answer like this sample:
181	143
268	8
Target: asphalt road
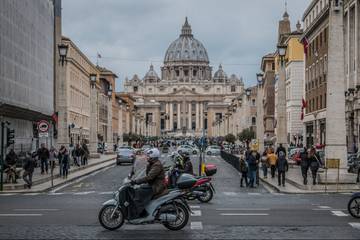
234	213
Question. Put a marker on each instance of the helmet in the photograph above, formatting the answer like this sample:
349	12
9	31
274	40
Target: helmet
153	153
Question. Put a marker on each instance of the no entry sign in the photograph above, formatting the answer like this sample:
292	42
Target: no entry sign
43	126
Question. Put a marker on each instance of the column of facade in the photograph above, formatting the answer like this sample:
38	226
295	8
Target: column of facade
178	115
201	119
167	125
120	126
171	106
93	123
109	133
197	116
189	116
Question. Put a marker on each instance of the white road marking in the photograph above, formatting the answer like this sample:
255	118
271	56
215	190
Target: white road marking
196	213
244	214
105	193
20	215
230	193
194	206
196	226
340	213
355	225
278	194
55	194
243	209
8	194
317	209
254	193
31	194
36	209
83	193
324	207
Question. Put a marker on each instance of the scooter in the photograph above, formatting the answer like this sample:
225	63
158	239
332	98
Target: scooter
354	205
171	209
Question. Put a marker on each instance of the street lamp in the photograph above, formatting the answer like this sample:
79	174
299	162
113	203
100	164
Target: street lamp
63	50
282	52
248	92
259	77
109	93
92	79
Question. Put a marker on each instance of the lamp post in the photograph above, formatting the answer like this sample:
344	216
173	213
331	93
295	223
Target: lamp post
248	93
260	111
93	116
63	50
260	78
281	128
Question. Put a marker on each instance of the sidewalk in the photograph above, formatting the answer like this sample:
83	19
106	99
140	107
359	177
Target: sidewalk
43	182
294	184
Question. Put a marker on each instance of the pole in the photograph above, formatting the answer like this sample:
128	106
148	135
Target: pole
2	155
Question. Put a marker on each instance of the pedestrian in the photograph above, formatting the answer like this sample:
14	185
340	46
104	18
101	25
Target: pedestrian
280	149
76	154
43	154
10	166
53	155
244	168
65	161
282	167
60	156
29	166
304	164
272	158
264	163
253	161
315	163
86	153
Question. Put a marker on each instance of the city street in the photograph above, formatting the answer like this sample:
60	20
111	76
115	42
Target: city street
71	212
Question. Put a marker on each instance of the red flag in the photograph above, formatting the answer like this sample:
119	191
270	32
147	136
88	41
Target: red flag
302	115
305	42
304	103
55	117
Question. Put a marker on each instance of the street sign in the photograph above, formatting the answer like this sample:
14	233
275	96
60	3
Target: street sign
43	134
43	126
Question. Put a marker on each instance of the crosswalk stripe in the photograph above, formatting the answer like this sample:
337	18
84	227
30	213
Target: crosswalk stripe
20	215
324	207
196	213
8	194
244	214
355	225
105	193
83	193
340	213
196	226
230	193
31	194
254	193
243	209
55	194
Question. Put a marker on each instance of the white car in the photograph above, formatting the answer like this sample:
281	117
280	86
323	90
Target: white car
213	150
187	148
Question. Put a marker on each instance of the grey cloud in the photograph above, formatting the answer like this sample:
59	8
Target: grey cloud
233	31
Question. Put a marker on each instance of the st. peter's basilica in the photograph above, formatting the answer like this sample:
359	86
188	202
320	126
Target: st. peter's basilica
187	99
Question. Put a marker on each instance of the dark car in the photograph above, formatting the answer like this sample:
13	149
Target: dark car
125	155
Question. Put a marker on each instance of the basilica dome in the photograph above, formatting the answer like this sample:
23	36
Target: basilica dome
186	48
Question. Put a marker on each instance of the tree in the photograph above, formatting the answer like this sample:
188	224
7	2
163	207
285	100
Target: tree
246	135
230	138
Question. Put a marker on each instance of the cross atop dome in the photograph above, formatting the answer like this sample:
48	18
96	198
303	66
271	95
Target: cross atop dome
186	29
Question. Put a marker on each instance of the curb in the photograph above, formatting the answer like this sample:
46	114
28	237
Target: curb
109	161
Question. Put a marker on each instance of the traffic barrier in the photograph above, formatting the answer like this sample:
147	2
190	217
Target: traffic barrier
231	159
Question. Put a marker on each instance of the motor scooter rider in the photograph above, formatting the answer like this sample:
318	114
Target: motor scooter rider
187	165
155	173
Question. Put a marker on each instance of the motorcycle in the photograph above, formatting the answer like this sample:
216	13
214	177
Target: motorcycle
354	205
203	190
171	209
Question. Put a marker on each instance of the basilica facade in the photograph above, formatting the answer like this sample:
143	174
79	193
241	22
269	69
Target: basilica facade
186	99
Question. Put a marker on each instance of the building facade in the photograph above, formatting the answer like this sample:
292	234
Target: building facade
186	100
27	69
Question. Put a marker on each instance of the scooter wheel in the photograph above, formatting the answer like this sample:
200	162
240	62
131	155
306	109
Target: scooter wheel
108	222
354	207
207	197
182	217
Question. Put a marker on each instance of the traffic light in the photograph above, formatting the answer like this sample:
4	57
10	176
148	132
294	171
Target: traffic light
10	137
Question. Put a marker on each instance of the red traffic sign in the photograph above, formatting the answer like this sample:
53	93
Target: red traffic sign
43	126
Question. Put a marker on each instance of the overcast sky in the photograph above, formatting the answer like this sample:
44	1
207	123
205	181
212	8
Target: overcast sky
131	34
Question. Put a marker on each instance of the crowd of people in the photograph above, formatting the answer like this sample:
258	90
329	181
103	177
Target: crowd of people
47	159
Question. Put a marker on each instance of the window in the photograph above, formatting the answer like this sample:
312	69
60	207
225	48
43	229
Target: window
194	73
253	120
135	88
321	102
186	73
177	73
174	90
325	35
253	102
273	66
193	89
233	88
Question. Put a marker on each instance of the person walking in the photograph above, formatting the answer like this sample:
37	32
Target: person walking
65	160
282	167
53	155
29	166
280	149
43	154
265	163
244	168
76	154
272	158
315	163
253	161
304	164
86	153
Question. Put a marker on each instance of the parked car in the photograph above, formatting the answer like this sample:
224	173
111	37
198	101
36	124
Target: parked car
145	147
102	148
125	155
213	150
187	148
